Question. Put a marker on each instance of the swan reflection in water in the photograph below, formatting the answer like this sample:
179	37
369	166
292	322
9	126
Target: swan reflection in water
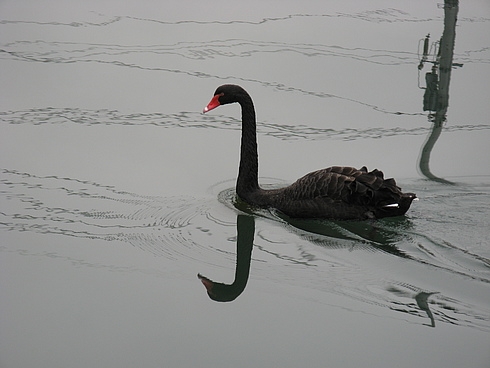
221	292
380	238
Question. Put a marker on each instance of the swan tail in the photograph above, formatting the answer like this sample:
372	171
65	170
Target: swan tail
382	195
397	208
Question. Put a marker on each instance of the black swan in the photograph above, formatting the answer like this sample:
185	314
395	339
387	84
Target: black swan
342	193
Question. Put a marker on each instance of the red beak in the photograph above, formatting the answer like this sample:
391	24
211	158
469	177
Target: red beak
214	103
208	284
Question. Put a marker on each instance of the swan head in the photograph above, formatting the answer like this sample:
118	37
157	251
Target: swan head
218	291
225	94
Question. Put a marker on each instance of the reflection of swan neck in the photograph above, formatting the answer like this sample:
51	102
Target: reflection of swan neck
228	292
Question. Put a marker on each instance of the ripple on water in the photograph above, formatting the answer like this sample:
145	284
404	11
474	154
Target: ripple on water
352	259
173	227
195	120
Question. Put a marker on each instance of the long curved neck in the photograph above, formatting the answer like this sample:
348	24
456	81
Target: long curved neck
221	292
247	181
244	246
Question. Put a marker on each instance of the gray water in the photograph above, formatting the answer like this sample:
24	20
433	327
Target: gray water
116	191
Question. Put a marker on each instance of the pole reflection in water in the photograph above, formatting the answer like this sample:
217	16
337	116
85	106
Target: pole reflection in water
221	292
421	299
436	96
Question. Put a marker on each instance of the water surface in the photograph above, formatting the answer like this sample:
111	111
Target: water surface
116	191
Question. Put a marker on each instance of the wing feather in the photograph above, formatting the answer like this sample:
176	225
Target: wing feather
348	184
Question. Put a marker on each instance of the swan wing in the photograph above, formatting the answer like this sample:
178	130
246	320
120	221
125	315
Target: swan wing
349	185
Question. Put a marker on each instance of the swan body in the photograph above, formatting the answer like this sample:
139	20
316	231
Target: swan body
337	192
